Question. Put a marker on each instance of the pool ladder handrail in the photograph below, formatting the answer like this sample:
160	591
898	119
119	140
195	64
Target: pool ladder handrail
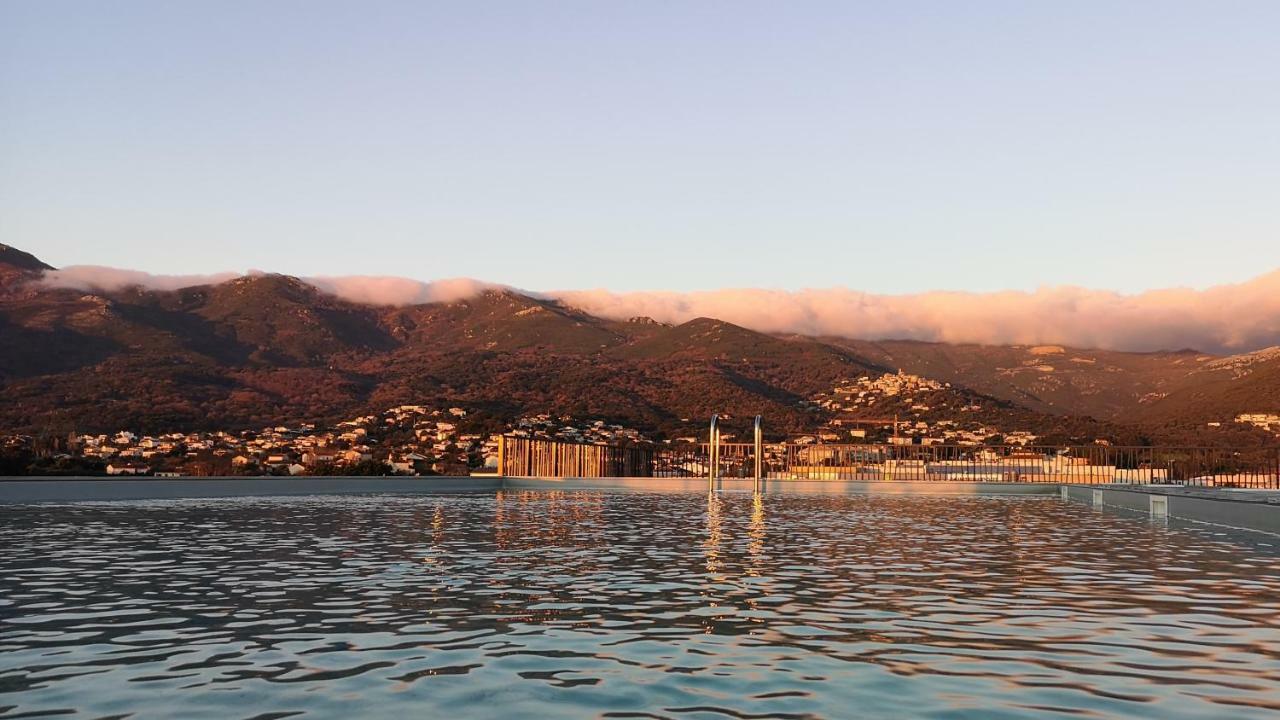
713	452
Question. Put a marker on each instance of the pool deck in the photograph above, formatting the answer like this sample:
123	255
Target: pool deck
1257	510
1210	493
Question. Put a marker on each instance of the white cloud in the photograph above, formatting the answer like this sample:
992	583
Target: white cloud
376	290
97	277
365	289
1226	318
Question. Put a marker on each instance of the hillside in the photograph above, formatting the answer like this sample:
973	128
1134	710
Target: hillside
1049	378
1219	390
16	259
265	349
17	266
270	348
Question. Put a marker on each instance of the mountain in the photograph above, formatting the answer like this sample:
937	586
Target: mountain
16	259
271	348
1049	378
268	349
17	266
1218	390
1173	394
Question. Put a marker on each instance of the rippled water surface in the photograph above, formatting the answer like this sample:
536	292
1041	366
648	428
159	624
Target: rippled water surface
530	604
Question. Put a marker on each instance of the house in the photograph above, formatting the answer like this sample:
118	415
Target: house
355	456
320	456
277	460
127	469
410	463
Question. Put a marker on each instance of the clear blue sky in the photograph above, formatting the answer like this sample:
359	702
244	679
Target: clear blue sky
887	146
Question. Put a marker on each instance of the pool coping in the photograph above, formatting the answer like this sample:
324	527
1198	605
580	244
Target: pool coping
27	490
31	490
1244	510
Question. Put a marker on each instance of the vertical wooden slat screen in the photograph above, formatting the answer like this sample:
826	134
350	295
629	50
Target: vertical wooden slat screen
537	457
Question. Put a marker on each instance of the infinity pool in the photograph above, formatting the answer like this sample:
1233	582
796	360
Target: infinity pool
547	604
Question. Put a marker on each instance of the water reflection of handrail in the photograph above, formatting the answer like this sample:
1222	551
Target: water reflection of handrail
759	451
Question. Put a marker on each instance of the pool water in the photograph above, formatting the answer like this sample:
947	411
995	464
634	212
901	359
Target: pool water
585	604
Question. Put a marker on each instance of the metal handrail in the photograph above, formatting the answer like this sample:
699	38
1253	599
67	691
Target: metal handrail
713	442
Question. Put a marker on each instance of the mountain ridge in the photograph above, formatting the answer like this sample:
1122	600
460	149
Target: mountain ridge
270	347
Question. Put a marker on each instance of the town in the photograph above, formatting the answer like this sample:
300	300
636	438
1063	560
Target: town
891	409
404	440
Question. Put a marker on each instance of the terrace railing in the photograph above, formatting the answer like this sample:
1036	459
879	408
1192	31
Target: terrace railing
1082	464
1079	464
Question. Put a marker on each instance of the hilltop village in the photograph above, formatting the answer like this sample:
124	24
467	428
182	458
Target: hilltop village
897	408
919	411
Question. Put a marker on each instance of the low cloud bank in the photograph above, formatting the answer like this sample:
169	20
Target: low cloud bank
109	279
1226	318
378	290
364	289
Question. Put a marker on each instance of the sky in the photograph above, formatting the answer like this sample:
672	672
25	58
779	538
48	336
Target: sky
889	147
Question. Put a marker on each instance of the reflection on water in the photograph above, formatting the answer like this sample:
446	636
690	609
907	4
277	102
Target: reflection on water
609	605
